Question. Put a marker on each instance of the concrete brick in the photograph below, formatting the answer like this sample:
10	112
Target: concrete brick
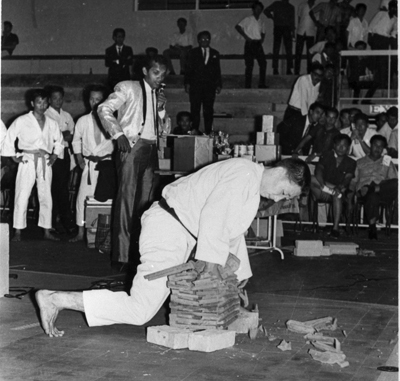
267	123
4	259
167	336
246	320
211	340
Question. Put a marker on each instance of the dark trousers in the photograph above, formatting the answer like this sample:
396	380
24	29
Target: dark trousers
202	96
380	63
358	85
387	193
300	40
60	191
282	33
137	184
254	50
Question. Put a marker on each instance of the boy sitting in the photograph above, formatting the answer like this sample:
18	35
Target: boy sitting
361	136
91	145
322	137
184	122
344	120
41	142
332	178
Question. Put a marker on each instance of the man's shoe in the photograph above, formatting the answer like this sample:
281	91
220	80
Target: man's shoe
372	232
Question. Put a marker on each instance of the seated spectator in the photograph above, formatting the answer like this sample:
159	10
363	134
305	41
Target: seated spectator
382	127
393	120
332	178
360	75
179	46
321	137
358	27
91	146
329	55
352	114
9	41
361	136
119	59
326	14
291	130
328	87
375	181
344	120
184	122
330	33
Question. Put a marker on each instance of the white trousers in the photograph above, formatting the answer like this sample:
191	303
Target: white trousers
26	177
164	243
85	190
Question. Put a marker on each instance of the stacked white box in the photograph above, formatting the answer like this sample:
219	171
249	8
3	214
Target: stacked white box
308	248
267	147
268	123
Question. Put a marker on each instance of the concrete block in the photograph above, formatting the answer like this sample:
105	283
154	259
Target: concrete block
169	337
211	340
306	253
266	153
261	138
268	123
272	138
326	251
346	248
308	248
164	164
246	320
4	259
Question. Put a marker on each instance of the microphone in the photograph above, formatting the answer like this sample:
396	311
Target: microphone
161	88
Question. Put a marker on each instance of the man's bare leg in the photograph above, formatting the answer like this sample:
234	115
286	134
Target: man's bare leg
17	236
47	235
52	302
80	235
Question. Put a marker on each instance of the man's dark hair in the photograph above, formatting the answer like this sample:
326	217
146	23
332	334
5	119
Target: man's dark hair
118	30
317	105
204	33
151	50
8	23
98	87
182	114
377	116
379	138
297	172
332	109
361	116
360	43
393	111
338	138
150	61
38	93
316	66
361	6
257	4
51	89
344	111
182	19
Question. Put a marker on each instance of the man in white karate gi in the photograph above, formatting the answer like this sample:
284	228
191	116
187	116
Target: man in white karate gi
41	141
90	145
217	205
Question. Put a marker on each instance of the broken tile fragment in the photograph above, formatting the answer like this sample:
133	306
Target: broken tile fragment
285	346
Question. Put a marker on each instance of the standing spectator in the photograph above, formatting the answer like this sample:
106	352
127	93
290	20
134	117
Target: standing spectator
9	40
361	136
140	107
119	59
358	27
283	15
328	87
179	46
39	144
393	121
329	55
203	81
305	33
91	146
347	12
328	15
252	28
375	181
330	36
62	166
360	75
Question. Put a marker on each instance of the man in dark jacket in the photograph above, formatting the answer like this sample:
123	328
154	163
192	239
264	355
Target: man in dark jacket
203	80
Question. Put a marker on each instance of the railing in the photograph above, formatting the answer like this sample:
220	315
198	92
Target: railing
370	53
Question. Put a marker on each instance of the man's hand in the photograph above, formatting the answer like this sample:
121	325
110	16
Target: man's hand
52	159
123	144
67	136
161	101
81	164
18	159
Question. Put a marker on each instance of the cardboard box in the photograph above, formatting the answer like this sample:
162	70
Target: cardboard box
267	153
191	152
164	164
268	123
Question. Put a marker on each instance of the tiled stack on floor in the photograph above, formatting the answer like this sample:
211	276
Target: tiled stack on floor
203	301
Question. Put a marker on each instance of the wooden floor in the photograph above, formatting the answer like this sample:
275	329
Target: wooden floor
361	292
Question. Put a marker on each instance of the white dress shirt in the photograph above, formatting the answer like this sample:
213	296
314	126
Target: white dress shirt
252	27
306	25
382	24
304	93
358	31
385	131
182	39
356	149
318	47
149	131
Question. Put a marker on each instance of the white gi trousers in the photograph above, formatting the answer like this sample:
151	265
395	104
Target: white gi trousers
164	243
85	190
26	177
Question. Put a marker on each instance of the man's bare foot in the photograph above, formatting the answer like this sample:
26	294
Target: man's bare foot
48	312
80	235
48	236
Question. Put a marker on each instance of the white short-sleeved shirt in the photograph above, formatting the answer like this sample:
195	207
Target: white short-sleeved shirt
394	139
385	131
306	25
358	31
382	24
356	149
252	27
304	93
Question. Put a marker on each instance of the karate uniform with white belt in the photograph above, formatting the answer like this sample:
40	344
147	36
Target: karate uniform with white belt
84	142
216	204
31	139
